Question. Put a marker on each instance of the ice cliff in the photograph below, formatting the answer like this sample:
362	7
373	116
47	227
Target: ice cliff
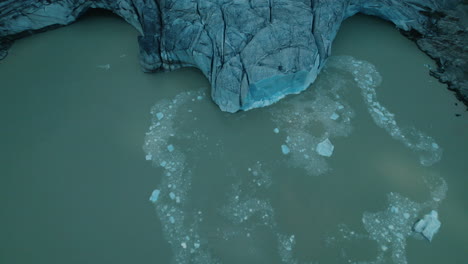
253	52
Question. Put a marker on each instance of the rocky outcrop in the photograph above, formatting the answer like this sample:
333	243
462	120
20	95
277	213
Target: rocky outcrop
252	52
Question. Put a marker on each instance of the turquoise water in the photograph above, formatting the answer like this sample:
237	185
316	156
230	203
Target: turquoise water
76	182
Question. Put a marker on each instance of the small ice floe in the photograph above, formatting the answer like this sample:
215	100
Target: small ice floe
104	66
123	55
276	130
334	116
154	196
160	115
325	148
428	226
285	149
170	148
199	97
148	157
172	195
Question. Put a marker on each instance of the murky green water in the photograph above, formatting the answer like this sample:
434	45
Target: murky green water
249	187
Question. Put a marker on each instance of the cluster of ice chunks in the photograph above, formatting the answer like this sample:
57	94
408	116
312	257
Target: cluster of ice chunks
367	78
322	107
247	210
403	218
180	227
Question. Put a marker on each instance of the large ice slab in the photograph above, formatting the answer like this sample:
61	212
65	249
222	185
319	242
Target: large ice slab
325	148
428	226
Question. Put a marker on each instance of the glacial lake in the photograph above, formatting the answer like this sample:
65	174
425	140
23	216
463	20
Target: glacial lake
337	174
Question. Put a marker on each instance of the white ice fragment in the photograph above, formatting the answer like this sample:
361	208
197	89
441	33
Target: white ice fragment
276	130
104	66
196	245
428	226
199	97
172	195
163	164
406	215
148	157
177	199
325	148
171	219
160	115
183	244
154	196
285	149
334	116
170	148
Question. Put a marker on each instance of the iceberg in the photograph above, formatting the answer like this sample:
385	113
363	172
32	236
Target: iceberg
148	157
285	149
160	115
154	196
325	148
334	116
428	226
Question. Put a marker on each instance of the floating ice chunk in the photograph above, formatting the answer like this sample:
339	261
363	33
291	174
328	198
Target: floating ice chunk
196	245
325	148
334	116
160	115
104	66
276	130
154	196
172	195
163	164
199	97
406	215
428	226
285	149
184	245
171	219
170	148
123	55
148	157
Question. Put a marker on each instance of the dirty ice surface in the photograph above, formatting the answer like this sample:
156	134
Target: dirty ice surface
243	216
